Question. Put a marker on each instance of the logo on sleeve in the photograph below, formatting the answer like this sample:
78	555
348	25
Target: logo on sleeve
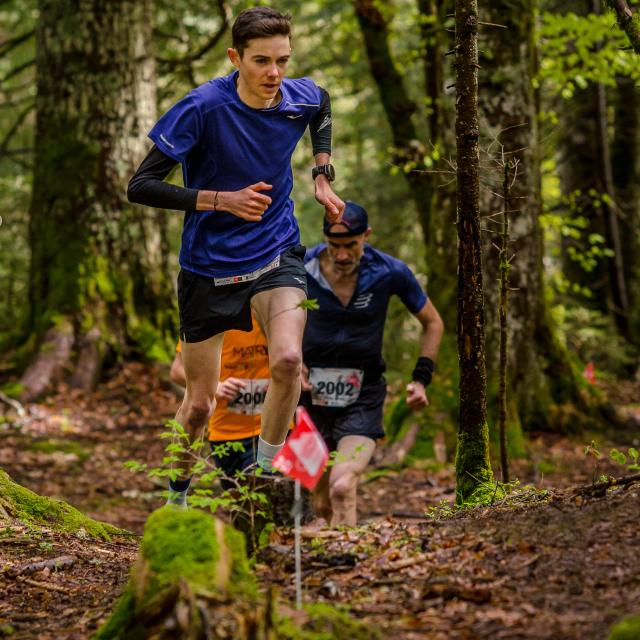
325	123
166	141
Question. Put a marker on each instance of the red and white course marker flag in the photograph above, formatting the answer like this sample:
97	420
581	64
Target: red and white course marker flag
590	372
304	455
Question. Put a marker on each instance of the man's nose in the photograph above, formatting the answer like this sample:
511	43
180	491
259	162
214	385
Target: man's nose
273	70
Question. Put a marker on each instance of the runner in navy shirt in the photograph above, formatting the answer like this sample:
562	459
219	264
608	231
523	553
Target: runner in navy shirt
234	137
344	387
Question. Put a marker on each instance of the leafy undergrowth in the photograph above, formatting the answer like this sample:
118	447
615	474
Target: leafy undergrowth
545	565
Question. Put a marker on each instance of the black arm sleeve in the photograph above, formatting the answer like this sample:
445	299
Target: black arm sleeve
147	186
320	125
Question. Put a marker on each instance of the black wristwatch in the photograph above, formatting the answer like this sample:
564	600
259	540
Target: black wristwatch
325	170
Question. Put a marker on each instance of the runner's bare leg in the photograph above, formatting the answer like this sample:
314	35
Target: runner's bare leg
201	362
282	320
354	453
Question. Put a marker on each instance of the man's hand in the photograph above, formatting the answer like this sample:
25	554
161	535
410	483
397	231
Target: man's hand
229	389
416	396
333	205
248	203
304	378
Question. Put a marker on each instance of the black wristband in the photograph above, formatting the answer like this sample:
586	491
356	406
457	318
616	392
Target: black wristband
423	371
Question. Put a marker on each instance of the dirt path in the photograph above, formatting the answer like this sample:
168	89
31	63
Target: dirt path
563	569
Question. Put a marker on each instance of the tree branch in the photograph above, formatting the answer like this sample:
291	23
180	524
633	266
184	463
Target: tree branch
14	127
225	14
17	70
12	43
627	21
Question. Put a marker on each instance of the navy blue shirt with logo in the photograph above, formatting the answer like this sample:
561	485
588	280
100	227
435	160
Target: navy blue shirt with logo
352	335
225	145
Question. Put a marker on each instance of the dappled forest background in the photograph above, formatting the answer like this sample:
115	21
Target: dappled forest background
87	277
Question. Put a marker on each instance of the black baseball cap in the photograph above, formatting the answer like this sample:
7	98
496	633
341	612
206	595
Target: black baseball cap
354	218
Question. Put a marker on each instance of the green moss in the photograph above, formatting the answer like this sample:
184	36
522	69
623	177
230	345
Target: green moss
180	547
395	417
64	446
626	629
473	465
180	544
154	345
12	389
31	508
326	623
241	576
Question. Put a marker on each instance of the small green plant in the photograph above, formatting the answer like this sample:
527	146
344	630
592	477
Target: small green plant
628	460
213	490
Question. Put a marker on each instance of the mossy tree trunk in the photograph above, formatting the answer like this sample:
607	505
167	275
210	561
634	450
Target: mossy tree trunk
473	466
540	374
628	21
191	581
191	576
98	276
21	504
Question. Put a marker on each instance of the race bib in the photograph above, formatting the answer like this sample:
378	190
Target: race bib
333	387
250	400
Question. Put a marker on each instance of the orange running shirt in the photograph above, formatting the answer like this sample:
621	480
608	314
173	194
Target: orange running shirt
244	356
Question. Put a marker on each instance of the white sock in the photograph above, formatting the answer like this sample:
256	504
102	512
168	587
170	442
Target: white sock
267	452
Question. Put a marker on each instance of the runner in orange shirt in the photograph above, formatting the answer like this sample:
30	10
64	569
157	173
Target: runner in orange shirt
244	377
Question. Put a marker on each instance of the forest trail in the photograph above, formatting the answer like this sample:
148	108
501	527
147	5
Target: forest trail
544	565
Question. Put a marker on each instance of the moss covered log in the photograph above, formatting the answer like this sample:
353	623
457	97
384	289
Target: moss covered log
191	575
627	629
21	504
192	580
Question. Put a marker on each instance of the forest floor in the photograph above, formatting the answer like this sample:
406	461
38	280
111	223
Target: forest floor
546	563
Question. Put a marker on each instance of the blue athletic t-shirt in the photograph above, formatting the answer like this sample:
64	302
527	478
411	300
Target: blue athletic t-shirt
351	336
225	145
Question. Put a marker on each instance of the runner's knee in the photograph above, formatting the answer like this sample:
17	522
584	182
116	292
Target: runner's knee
198	412
287	365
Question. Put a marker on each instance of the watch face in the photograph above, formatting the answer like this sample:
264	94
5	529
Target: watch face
325	170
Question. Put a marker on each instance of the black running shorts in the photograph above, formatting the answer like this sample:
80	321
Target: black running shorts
362	418
207	309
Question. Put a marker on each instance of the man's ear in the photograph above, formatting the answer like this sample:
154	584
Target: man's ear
368	232
234	56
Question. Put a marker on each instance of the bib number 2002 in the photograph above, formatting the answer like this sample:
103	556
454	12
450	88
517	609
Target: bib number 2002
333	387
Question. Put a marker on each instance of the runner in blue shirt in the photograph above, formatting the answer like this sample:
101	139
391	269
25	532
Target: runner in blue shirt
343	383
234	137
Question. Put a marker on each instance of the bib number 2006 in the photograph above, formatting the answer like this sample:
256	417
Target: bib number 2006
333	387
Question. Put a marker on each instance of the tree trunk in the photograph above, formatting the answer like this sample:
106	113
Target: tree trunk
191	581
98	264
540	374
578	144
617	280
473	467
191	576
429	191
625	161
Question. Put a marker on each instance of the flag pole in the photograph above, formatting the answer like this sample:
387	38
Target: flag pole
297	505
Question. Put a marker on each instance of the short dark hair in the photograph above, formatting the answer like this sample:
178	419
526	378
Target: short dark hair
259	22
